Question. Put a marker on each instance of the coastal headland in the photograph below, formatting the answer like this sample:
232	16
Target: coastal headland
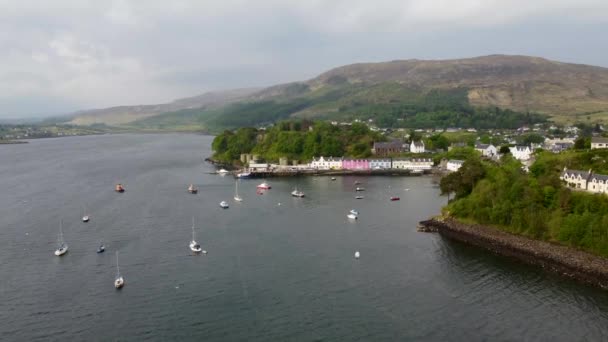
563	260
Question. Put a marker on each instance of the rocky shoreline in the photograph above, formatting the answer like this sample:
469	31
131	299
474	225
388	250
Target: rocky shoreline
569	262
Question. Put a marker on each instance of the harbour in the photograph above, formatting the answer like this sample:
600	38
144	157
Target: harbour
278	267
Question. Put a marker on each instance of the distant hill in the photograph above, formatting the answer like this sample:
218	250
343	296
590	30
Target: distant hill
411	93
125	114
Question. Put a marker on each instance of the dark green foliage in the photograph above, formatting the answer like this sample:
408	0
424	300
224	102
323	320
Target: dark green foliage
535	204
294	140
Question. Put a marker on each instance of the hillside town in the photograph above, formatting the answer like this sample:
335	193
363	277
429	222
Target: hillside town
410	152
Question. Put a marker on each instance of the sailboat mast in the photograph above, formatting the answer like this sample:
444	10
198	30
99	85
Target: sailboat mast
117	268
61	231
193	239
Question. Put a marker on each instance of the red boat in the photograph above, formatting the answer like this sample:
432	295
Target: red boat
263	186
395	198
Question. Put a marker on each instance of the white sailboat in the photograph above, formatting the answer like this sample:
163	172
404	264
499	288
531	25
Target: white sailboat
63	247
119	281
85	216
194	246
236	192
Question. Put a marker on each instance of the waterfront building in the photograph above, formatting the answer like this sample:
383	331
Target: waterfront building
413	164
355	164
323	163
380	164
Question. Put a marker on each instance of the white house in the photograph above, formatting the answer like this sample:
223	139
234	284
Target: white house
326	163
417	147
521	152
454	165
486	150
597	183
599	142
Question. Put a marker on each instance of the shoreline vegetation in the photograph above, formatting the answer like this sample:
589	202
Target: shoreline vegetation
566	261
530	214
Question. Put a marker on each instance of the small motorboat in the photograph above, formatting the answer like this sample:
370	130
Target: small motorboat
101	248
192	189
119	188
354	212
297	193
333	178
360	189
357	182
222	172
85	218
395	198
358	197
357	255
224	204
264	186
352	216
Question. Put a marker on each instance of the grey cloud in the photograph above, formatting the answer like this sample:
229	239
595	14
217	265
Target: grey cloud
79	54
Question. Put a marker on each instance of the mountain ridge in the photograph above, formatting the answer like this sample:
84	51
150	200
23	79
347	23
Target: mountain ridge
564	91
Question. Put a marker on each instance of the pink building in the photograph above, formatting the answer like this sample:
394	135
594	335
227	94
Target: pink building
355	164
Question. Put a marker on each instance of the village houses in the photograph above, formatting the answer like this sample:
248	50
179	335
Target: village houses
585	180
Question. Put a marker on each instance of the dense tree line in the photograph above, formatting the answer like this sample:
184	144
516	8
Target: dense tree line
534	204
296	140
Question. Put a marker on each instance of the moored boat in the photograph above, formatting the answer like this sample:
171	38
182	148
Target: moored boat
352	216
119	281
264	186
358	197
224	204
119	188
360	189
101	248
236	192
194	246
297	193
395	198
222	172
354	212
243	175
192	189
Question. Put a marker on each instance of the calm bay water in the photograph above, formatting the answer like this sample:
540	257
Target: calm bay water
273	273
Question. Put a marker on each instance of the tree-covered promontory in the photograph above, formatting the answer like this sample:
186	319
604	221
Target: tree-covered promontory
296	140
535	203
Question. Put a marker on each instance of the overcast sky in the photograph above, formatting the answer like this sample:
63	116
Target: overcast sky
58	56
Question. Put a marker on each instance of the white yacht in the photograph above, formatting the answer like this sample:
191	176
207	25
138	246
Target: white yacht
119	281
224	204
194	246
63	247
236	192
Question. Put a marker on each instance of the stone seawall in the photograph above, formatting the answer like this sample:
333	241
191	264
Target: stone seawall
569	262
